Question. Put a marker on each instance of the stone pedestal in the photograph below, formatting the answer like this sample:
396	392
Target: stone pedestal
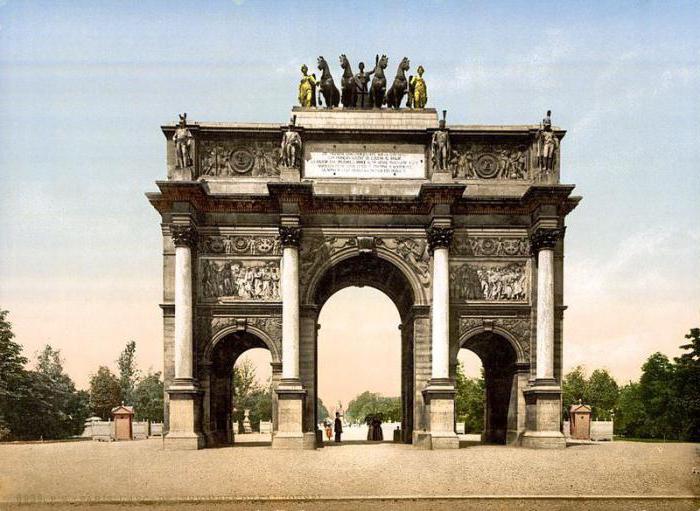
439	396
184	416
543	404
290	411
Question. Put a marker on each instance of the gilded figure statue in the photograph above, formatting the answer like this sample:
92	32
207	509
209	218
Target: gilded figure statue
183	144
418	93
307	88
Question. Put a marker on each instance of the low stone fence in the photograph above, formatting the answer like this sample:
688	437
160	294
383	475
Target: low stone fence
104	430
265	427
601	431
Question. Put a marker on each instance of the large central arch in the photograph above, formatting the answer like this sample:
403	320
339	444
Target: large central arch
379	271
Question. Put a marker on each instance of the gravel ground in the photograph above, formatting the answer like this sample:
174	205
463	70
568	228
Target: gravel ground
141	470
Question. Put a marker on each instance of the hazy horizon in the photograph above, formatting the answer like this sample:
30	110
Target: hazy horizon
84	87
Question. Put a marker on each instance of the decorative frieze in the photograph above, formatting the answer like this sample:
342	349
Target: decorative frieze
272	326
241	245
491	282
232	158
490	161
490	246
316	249
239	280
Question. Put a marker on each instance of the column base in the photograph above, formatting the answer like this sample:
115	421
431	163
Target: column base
543	440
178	441
184	417
439	395
290	409
543	416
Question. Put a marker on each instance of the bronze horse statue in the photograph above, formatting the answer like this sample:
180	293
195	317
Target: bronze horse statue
347	83
378	89
400	85
331	95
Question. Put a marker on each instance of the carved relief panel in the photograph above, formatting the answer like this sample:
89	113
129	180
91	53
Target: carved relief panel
490	268
239	158
490	161
239	279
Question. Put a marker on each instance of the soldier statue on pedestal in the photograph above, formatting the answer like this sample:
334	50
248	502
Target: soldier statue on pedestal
183	144
440	147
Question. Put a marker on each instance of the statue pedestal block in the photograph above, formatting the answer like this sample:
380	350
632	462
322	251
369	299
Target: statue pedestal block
543	416
439	396
290	409
183	418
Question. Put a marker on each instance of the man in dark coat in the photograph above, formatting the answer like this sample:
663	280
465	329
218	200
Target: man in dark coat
337	427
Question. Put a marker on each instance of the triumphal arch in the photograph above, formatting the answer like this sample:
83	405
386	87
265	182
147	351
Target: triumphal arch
461	226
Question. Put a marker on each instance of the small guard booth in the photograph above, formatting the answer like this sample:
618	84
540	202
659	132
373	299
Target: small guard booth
123	418
580	421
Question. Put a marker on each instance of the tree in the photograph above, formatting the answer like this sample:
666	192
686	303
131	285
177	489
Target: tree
372	403
105	393
601	393
573	388
128	373
629	415
14	381
244	379
656	395
686	388
58	409
148	398
469	401
321	410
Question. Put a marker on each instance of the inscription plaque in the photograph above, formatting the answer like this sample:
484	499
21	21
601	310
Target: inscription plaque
365	163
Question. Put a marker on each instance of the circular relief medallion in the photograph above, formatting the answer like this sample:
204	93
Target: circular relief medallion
242	161
487	166
241	244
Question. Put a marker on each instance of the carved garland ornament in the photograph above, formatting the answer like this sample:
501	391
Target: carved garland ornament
241	245
480	246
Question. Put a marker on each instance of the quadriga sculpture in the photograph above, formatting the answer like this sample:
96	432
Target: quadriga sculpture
400	85
331	95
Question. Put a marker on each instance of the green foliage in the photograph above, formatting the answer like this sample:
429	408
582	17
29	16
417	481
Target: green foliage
573	388
372	403
249	394
55	409
687	388
656	396
105	393
128	373
14	380
322	411
148	398
469	401
629	416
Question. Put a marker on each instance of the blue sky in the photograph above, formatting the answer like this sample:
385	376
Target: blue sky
84	87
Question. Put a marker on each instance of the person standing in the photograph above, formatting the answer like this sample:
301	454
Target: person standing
338	427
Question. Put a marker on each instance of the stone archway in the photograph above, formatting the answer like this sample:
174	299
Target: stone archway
220	357
381	273
504	360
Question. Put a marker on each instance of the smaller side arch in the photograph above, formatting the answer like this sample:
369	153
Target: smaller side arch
262	335
521	356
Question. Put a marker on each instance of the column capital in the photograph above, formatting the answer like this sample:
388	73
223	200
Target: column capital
183	235
439	237
545	238
290	236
